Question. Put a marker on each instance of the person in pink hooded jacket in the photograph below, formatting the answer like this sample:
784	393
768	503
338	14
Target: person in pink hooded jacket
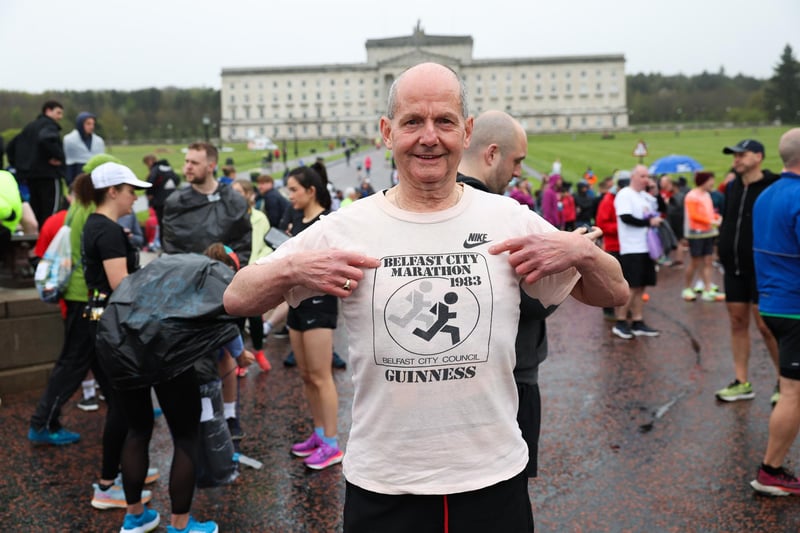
550	197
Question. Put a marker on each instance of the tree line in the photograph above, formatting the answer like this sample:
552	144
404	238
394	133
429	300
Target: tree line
157	115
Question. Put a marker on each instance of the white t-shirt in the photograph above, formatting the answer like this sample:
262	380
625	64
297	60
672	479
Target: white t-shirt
431	335
633	239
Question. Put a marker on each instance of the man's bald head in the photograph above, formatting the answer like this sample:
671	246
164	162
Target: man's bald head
431	72
498	146
789	149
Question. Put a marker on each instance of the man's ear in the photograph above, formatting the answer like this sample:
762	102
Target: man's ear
491	154
386	132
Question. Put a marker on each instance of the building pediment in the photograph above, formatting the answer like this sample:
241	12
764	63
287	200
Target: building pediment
417	56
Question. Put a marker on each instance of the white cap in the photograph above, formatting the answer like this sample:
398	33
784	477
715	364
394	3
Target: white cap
110	174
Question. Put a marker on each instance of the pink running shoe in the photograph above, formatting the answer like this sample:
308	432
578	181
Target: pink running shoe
307	447
782	484
324	457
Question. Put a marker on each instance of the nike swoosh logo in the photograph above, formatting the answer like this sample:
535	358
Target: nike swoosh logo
468	244
316	301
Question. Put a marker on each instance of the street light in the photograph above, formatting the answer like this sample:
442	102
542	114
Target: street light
206	125
294	128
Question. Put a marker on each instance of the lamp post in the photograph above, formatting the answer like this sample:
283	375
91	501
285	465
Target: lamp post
294	129
206	125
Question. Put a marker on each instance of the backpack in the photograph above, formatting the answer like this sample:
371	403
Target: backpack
55	268
164	181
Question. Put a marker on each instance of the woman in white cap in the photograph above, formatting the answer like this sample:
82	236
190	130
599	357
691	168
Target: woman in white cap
108	257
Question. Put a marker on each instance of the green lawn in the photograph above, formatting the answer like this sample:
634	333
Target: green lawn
606	155
576	151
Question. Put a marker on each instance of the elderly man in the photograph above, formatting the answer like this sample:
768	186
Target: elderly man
636	212
429	273
776	247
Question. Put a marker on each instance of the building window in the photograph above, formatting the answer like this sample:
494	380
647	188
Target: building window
568	87
303	83
233	116
261	130
509	77
274	84
583	121
583	74
319	96
233	85
553	122
478	77
376	93
333	82
538	75
289	96
552	75
333	95
246	98
568	74
523	76
508	89
245	85
347	81
233	98
289	83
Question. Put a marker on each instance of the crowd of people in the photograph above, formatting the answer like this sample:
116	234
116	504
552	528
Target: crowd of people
409	304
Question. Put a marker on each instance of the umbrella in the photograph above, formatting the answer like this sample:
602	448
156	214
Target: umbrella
673	164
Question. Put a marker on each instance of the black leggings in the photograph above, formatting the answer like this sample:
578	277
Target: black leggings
180	400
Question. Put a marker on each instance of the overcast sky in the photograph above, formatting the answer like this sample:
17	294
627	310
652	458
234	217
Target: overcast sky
110	44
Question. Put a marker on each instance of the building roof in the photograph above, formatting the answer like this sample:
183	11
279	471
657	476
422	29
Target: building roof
419	38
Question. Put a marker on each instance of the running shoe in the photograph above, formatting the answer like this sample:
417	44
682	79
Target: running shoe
776	395
140	523
712	296
324	457
783	483
195	527
622	330
640	329
281	333
89	404
307	447
338	362
262	361
290	361
114	497
235	429
57	438
736	391
688	295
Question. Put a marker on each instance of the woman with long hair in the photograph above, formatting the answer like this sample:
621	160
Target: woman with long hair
311	326
108	257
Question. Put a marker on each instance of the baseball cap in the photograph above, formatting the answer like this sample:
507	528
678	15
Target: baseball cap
110	174
747	145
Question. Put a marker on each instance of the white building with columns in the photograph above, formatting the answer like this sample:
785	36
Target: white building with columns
546	94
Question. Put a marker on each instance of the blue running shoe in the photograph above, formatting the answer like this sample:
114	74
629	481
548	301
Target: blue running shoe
338	362
57	438
140	523
196	527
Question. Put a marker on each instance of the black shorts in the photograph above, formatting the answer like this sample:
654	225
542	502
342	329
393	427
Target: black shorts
504	506
787	333
313	313
741	289
529	418
638	269
701	247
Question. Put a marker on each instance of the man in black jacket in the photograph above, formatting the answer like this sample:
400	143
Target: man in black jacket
206	212
735	244
494	157
38	157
